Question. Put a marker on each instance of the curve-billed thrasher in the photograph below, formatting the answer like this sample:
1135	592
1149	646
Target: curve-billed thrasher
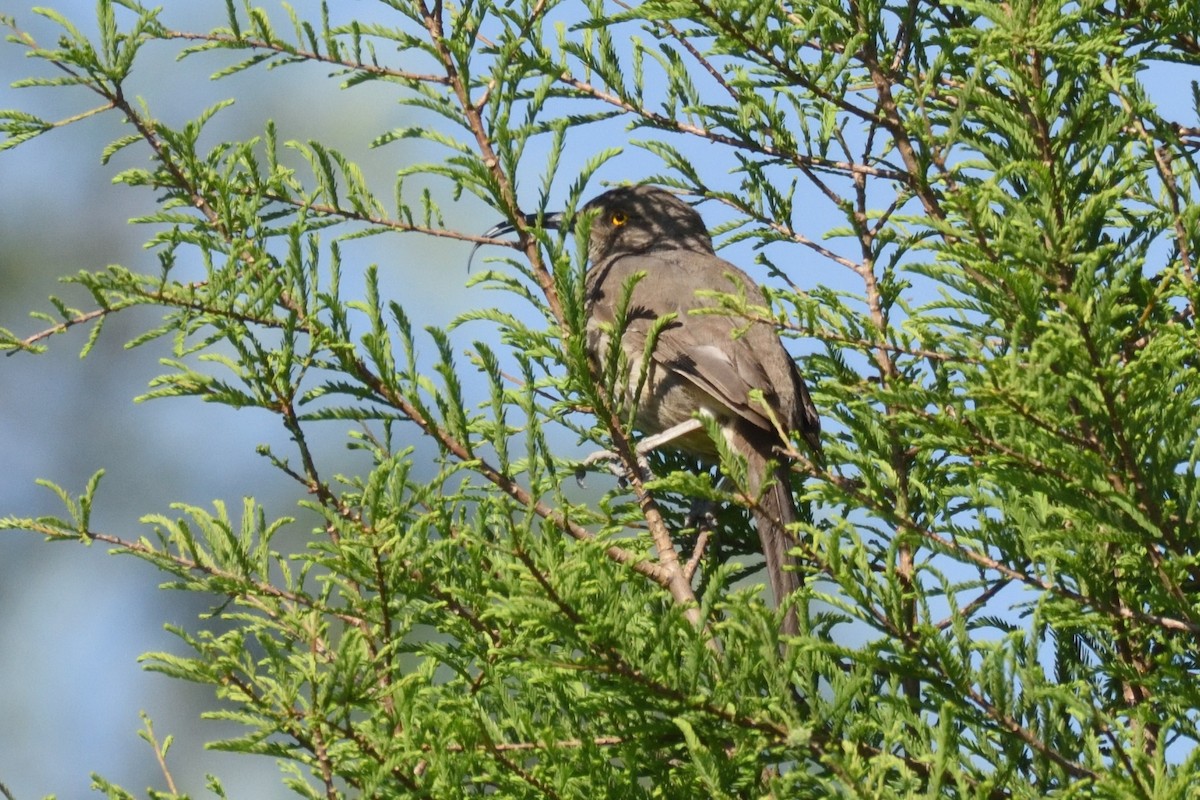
705	364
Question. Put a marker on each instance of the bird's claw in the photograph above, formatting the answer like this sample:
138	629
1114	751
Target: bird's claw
701	516
645	446
613	463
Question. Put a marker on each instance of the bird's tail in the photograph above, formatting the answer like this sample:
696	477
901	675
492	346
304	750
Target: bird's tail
776	509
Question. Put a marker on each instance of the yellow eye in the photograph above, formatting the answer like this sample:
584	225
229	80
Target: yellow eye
618	219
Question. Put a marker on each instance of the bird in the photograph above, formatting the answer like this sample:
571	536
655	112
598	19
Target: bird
651	263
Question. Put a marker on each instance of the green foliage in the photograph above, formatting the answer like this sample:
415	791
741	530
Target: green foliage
1001	540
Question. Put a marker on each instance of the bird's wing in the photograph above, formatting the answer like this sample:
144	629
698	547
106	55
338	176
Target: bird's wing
720	370
717	353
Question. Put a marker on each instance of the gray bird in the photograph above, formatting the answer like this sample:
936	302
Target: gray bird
701	364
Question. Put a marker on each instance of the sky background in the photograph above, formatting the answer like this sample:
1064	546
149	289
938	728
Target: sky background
74	620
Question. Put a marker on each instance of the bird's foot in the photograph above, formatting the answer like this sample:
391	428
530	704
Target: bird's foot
652	443
701	516
698	527
613	462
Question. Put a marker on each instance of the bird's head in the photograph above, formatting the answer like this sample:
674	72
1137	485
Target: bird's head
628	220
636	219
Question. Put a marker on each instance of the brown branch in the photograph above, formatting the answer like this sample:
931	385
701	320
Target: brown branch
61	327
510	747
970	608
247	43
693	563
432	18
819	744
251	586
1009	724
672	124
459	450
941	543
826	335
318	748
160	755
784	69
668	572
327	210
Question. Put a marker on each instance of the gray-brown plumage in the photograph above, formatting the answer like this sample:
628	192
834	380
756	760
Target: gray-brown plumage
701	364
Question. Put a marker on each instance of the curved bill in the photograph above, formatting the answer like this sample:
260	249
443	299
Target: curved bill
549	222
